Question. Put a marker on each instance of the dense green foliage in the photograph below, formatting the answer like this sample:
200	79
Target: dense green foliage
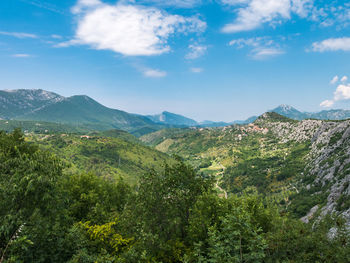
110	157
173	215
244	156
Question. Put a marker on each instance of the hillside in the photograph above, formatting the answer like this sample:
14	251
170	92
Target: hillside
110	154
82	110
18	102
299	164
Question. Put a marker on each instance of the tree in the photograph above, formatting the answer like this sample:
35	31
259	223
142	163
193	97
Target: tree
31	206
160	211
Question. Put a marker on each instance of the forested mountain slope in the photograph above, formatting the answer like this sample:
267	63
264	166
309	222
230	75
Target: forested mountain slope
173	214
300	164
112	154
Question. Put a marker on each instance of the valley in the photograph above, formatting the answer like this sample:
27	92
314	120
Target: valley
168	188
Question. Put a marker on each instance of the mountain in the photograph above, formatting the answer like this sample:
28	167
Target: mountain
247	121
172	119
295	114
18	102
331	115
207	123
290	112
303	165
44	106
84	111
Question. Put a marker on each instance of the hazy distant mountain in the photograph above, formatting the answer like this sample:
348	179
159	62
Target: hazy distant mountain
172	119
77	110
40	105
18	102
295	114
331	115
290	112
214	124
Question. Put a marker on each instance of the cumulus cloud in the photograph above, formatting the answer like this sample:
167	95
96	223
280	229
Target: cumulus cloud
18	34
153	73
254	13
334	80
131	30
196	70
332	44
342	92
261	47
196	51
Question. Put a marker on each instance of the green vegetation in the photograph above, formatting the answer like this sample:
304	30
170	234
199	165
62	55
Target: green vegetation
110	157
241	157
173	215
41	127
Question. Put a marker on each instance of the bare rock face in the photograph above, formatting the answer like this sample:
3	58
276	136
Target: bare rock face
328	160
310	215
329	164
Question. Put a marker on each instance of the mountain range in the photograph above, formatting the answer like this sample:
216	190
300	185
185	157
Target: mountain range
295	114
83	111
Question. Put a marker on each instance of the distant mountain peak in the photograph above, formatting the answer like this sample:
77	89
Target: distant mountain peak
285	108
172	119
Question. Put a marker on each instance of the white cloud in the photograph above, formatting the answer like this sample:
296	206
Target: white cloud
18	34
261	47
334	80
341	93
332	44
302	7
332	13
327	103
196	70
196	51
56	36
176	3
344	79
154	73
21	55
266	53
254	13
131	30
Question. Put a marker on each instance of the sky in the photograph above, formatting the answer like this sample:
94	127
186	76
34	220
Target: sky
220	60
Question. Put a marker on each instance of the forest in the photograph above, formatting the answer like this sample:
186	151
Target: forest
172	214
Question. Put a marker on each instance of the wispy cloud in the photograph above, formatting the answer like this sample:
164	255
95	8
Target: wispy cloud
44	5
344	79
261	47
176	3
21	56
131	30
196	51
196	70
332	44
334	80
54	36
263	53
154	73
18	34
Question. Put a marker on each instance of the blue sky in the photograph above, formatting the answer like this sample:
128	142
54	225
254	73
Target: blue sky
205	59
